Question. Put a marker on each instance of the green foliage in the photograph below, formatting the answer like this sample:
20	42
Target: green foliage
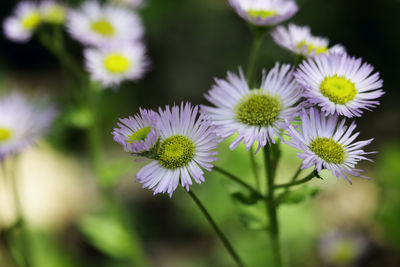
112	172
298	196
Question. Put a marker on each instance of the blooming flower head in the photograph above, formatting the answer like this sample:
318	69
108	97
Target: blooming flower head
138	134
340	84
97	25
128	3
21	123
258	114
22	24
299	40
264	12
187	144
113	64
53	12
326	143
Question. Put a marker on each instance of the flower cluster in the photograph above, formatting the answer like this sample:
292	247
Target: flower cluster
29	15
112	35
179	140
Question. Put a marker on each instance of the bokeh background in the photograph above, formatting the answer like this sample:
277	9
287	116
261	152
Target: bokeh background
190	42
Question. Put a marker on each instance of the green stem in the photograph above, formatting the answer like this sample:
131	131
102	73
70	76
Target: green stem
270	167
217	230
238	181
297	173
20	223
298	182
255	168
257	42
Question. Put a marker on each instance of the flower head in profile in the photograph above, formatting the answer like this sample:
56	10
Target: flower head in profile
340	84
264	12
299	40
96	25
326	143
187	145
113	64
21	123
255	115
128	3
138	134
20	26
53	12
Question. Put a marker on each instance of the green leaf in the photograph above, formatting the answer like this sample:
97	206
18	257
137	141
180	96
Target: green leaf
246	199
299	195
109	235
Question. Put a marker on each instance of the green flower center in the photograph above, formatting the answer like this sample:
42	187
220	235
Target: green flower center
31	21
176	151
261	13
312	48
56	14
139	135
258	109
5	134
103	27
339	90
116	63
328	150
345	253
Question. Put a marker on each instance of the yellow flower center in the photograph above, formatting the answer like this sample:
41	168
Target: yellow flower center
261	13
328	150
103	27
31	21
258	109
116	63
55	14
312	48
139	135
5	134
344	253
338	89
176	151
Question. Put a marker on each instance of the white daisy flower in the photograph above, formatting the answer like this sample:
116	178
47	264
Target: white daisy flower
111	65
97	25
21	123
299	40
187	144
258	114
264	12
327	144
128	3
339	84
53	12
138	134
22	24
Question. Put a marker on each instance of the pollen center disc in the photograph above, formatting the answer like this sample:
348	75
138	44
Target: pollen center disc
328	150
116	63
139	135
258	109
338	89
5	134
31	21
261	13
176	151
103	27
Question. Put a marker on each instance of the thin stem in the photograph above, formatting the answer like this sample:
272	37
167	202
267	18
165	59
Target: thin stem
20	221
270	167
257	42
297	173
238	181
217	230
255	168
298	182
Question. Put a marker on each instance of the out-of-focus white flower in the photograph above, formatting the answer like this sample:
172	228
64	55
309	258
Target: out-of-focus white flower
53	12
